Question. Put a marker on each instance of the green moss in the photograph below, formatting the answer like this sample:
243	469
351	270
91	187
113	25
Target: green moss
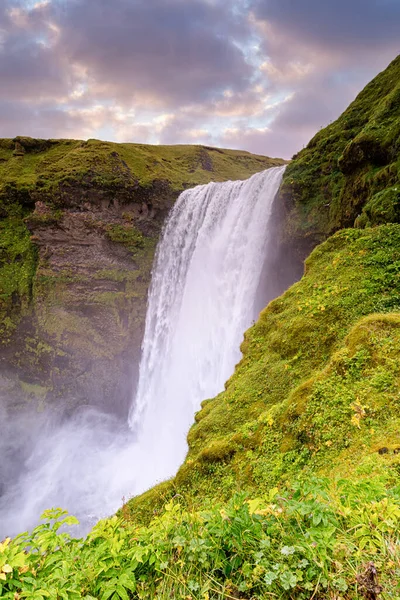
383	207
53	176
345	169
318	387
351	408
152	502
58	169
128	235
18	260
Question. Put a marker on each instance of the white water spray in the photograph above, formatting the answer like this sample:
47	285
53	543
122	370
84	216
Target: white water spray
202	298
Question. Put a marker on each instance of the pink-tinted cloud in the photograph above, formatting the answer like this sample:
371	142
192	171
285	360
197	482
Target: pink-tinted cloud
340	25
29	68
263	75
161	52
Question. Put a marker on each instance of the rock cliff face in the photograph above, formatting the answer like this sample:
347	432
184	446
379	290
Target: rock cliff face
79	224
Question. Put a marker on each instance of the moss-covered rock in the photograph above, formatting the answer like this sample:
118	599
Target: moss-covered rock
318	387
70	172
18	258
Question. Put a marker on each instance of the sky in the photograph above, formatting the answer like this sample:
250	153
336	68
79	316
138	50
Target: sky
258	75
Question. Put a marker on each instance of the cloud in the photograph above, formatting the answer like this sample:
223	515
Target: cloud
29	68
254	74
321	54
42	121
341	25
161	52
293	124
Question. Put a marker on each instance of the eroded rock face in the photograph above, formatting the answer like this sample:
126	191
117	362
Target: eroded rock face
81	339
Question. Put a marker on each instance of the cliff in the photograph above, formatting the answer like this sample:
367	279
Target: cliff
80	222
318	388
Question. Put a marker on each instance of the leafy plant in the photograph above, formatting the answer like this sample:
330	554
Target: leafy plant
308	539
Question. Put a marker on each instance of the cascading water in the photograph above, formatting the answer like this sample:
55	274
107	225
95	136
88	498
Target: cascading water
202	298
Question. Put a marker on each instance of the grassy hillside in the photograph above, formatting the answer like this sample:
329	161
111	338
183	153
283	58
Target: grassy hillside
317	394
349	173
318	387
51	168
291	486
65	174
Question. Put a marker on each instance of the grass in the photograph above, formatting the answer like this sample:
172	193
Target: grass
318	387
127	235
54	169
290	486
120	193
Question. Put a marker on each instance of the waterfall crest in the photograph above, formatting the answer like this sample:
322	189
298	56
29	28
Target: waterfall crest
206	273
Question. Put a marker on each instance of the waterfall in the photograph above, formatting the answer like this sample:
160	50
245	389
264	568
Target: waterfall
202	298
206	274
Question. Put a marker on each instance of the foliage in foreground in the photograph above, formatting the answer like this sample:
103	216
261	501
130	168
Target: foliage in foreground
313	540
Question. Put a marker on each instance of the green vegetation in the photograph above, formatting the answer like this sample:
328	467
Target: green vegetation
314	539
58	169
317	393
350	170
318	388
18	260
290	488
95	211
127	235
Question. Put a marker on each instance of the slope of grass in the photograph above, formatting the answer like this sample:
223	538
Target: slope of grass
318	388
291	486
119	194
317	392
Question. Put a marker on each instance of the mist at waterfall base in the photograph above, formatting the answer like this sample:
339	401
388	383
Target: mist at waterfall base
204	294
